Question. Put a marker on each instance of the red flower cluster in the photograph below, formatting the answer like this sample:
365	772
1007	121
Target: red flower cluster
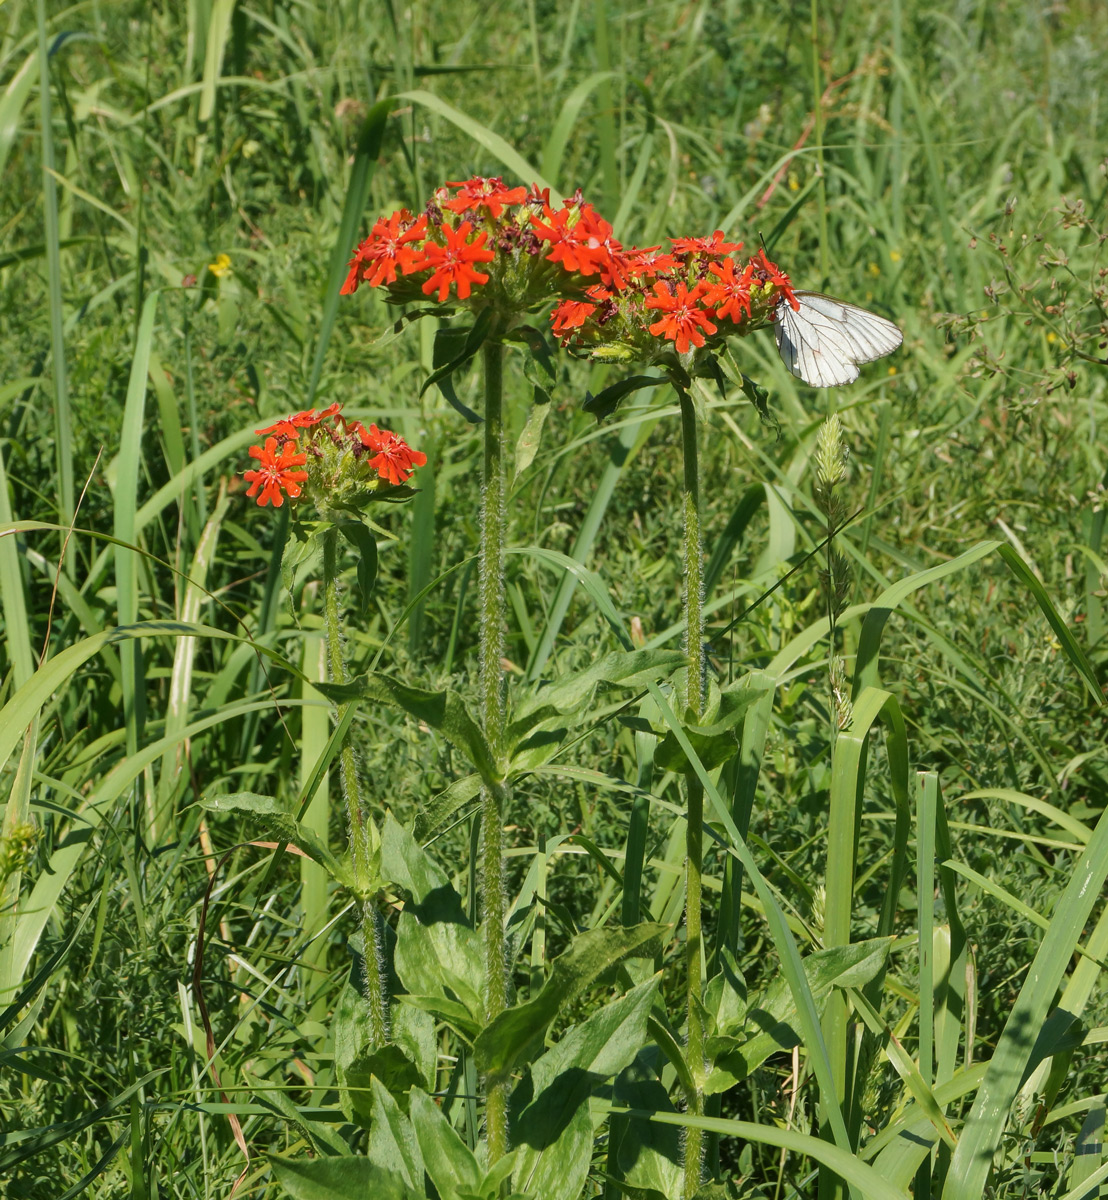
430	244
344	454
486	244
695	288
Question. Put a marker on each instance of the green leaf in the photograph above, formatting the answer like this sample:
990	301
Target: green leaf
773	1013
339	1179
388	1065
439	809
405	863
446	1158
625	668
605	402
270	817
302	557
647	1155
454	348
441	965
725	997
713	740
365	545
512	1036
323	1139
392	1143
558	1171
542	723
558	1088
445	712
527	445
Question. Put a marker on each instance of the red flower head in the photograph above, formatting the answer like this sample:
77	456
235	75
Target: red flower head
684	319
275	472
570	315
390	245
771	273
291	427
480	193
453	263
729	294
393	459
713	246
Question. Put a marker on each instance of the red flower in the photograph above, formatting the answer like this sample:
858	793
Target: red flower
684	318
388	246
570	315
649	261
452	263
730	293
484	193
714	245
394	460
567	242
604	254
275	472
291	427
771	273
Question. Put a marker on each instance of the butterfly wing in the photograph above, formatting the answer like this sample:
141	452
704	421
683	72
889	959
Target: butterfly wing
824	340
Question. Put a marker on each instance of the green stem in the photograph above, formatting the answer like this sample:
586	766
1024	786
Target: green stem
694	836
363	835
493	611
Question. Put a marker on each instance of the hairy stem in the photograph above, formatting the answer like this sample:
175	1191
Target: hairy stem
363	835
694	837
492	710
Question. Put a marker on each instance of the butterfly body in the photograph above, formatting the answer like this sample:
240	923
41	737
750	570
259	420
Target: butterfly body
824	340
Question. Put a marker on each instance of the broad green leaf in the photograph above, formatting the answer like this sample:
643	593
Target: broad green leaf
558	1171
387	1065
405	863
271	817
605	402
527	444
624	668
441	965
773	1013
439	809
446	1158
550	1101
363	541
392	1143
443	711
510	1038
454	347
725	997
713	739
339	1179
646	1157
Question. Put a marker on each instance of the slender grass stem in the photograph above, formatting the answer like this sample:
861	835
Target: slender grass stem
694	837
363	836
492	600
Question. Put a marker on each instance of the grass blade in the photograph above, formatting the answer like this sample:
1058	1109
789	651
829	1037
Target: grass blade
1016	1050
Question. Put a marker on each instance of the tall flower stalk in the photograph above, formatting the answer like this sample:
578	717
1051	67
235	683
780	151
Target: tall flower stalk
364	842
694	829
493	796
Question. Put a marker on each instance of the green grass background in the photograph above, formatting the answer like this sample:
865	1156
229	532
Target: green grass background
954	179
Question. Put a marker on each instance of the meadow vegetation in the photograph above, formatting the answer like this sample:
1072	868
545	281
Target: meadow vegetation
904	925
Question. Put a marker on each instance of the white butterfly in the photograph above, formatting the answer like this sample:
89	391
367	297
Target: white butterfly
824	340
